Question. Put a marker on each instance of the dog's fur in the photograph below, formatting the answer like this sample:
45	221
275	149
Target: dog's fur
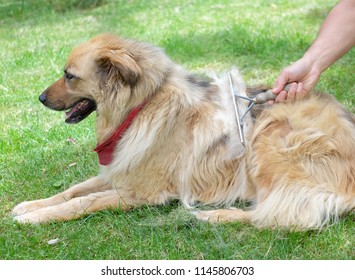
297	167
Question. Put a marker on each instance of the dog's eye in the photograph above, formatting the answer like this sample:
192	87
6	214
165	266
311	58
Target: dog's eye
68	76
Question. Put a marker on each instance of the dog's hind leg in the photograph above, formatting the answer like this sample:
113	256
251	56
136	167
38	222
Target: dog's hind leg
79	206
295	207
224	215
95	184
298	207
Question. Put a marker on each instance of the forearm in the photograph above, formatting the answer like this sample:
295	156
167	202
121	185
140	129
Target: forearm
336	36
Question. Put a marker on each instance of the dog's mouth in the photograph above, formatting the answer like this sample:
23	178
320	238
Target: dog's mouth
80	111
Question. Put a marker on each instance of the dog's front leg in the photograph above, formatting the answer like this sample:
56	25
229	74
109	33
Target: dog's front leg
95	184
80	206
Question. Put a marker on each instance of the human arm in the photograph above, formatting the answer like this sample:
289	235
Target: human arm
335	38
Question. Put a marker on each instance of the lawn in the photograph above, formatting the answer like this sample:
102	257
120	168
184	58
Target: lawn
41	156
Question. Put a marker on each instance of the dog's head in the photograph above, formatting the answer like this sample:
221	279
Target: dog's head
104	70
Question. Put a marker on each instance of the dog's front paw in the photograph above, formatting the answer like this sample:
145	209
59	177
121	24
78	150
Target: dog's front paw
25	207
35	217
29	218
21	219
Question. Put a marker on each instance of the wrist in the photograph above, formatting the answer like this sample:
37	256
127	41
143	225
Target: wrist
316	60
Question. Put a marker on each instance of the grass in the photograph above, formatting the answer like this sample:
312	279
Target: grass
41	156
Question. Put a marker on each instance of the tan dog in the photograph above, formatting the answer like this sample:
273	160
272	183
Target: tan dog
165	134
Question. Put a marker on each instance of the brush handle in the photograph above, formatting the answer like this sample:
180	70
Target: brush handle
268	95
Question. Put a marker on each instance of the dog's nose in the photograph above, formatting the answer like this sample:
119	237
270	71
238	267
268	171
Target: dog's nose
43	98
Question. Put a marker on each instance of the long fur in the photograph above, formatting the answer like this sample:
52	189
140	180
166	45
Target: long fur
297	167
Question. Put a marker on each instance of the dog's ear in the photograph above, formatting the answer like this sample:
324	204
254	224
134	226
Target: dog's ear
118	64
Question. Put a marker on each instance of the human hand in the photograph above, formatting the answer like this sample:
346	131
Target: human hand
302	76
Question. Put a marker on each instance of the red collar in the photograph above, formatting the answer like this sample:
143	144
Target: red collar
105	150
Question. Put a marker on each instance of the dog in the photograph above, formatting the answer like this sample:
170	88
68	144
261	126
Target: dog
165	134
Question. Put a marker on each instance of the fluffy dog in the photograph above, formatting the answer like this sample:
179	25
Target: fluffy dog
166	134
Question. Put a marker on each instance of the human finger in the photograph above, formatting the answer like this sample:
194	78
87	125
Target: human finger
291	93
300	92
280	82
281	97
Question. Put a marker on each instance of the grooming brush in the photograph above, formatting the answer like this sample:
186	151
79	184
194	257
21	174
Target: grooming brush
258	99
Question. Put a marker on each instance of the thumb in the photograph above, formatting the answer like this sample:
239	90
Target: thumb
280	83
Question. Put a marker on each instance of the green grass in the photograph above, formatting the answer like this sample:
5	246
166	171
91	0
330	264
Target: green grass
37	160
